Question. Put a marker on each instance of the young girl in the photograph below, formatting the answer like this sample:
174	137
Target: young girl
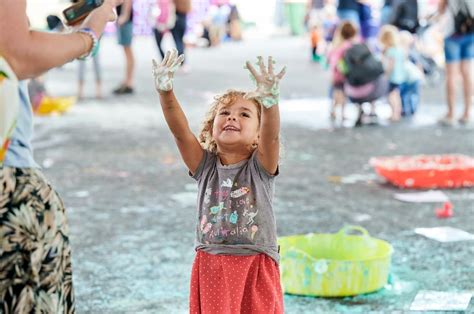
394	63
235	162
344	37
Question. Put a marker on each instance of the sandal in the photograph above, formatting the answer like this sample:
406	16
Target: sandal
446	121
463	120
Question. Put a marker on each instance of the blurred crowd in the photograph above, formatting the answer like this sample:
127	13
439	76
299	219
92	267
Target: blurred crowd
375	50
387	49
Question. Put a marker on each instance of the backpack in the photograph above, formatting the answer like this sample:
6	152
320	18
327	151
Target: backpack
361	67
9	106
463	19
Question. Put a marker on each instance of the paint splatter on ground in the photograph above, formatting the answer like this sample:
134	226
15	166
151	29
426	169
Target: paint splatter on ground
128	194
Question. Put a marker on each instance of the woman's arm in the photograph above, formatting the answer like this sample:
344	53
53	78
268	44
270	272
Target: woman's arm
267	94
188	145
31	53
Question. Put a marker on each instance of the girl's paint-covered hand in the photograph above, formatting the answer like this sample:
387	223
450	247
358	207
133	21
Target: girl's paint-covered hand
164	72
268	90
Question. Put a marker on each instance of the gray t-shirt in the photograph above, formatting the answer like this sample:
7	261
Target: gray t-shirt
234	207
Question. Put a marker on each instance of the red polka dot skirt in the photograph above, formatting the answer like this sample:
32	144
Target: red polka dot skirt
228	284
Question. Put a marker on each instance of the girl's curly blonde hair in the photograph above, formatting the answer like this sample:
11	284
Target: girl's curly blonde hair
226	99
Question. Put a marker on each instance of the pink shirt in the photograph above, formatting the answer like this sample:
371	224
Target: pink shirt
164	6
334	56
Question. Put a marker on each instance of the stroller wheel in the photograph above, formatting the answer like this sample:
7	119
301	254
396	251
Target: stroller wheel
359	121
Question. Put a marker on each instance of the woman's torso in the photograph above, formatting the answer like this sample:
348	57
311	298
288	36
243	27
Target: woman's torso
452	8
20	151
130	17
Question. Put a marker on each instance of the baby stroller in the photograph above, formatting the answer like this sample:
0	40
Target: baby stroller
434	73
365	81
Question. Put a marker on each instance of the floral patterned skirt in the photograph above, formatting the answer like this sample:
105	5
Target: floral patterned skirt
228	284
35	256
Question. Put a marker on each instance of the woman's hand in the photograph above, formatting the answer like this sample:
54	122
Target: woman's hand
109	7
268	90
164	72
97	19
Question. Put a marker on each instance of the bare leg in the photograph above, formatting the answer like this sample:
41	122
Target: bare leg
451	88
467	88
332	113
130	63
98	90
338	99
395	104
82	73
98	77
80	90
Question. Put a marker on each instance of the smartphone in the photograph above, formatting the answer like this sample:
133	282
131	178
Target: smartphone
79	10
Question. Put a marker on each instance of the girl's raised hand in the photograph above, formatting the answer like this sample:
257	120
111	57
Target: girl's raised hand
268	90
164	72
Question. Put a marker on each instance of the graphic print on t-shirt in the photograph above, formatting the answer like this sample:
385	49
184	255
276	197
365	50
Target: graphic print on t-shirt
229	216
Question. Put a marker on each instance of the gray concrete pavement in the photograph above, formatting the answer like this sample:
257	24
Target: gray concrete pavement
131	203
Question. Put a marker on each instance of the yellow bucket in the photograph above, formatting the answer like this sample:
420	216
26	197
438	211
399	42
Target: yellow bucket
55	105
334	265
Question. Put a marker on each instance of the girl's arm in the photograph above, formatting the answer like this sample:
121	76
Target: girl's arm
31	53
269	143
389	63
267	94
188	145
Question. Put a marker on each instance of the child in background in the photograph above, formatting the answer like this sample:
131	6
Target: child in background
162	15
235	162
98	77
314	43
394	63
410	89
81	74
344	37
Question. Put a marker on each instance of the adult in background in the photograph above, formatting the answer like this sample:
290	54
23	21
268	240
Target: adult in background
386	12
82	74
125	36
183	7
35	255
368	24
348	10
163	14
314	12
405	15
459	52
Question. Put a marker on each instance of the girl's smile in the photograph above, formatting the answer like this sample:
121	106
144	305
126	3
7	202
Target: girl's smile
236	124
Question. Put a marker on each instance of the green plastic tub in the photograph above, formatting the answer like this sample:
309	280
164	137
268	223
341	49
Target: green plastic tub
334	265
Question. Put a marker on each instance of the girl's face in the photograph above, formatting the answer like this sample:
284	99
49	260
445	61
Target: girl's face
236	126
